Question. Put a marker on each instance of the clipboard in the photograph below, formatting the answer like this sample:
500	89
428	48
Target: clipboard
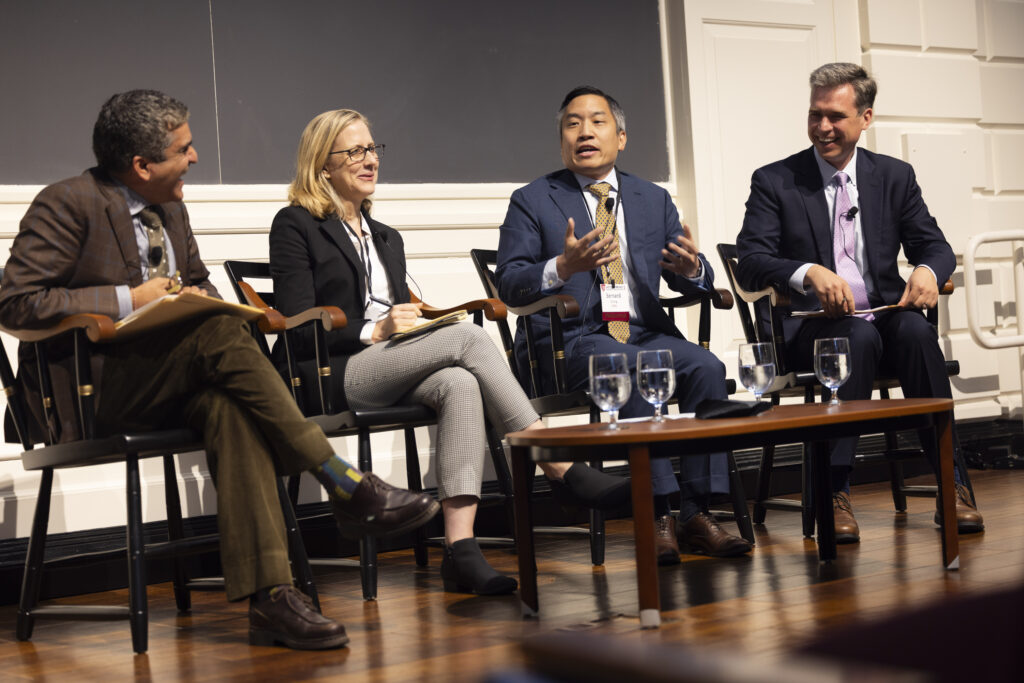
447	319
174	308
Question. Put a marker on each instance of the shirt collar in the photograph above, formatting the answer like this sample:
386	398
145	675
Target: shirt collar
828	171
612	179
135	201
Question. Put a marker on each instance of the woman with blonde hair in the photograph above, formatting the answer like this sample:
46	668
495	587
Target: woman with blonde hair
325	249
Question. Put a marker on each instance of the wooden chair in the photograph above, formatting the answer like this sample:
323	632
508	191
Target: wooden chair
129	448
562	401
362	422
761	314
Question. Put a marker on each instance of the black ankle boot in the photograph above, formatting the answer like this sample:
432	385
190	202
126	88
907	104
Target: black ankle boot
464	570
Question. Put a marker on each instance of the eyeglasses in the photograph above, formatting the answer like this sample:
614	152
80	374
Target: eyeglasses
357	154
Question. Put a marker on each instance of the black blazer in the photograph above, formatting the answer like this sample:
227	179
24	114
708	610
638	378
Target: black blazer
787	225
314	263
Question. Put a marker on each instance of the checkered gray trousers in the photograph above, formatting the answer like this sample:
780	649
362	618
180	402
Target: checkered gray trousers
459	372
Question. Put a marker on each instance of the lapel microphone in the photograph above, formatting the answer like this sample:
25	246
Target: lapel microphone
851	213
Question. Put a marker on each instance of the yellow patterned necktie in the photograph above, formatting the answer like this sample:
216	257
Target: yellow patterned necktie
611	273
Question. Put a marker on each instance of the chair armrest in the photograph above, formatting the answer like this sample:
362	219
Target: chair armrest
493	309
720	298
330	317
947	288
96	327
274	322
565	306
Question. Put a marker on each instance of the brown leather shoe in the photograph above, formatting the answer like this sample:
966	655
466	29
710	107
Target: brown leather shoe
968	519
665	545
379	509
287	617
702	534
847	530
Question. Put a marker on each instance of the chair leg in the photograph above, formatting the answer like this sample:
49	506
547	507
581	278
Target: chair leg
739	500
301	570
368	566
597	533
763	488
896	483
367	544
294	482
138	609
176	531
415	482
503	475
806	502
32	578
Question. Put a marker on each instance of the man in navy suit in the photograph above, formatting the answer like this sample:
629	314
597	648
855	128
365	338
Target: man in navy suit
591	228
826	226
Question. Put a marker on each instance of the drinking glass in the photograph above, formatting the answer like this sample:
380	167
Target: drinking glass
656	378
609	383
757	367
832	363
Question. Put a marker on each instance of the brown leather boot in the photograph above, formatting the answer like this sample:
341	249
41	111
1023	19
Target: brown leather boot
377	508
702	534
847	530
285	616
665	545
968	519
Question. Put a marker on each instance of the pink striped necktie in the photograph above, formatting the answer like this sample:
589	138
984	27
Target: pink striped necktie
844	245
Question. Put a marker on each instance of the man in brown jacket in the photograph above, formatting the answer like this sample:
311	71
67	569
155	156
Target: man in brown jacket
108	242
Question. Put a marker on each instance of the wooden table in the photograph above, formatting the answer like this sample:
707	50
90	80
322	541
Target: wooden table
813	424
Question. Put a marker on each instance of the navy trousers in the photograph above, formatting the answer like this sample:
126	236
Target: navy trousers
899	343
699	375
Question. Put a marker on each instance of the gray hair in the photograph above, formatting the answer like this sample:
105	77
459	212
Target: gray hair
137	122
579	91
840	73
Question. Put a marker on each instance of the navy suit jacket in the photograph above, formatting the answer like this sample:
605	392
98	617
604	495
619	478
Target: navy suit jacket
787	225
534	232
314	263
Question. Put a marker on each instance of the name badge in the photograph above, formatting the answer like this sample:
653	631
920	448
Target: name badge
614	302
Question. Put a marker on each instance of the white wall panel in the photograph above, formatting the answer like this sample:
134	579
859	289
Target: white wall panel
1007	151
949	24
908	85
891	22
1002	93
944	174
1003	26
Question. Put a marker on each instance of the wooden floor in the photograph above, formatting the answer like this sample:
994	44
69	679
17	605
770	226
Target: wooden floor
764	604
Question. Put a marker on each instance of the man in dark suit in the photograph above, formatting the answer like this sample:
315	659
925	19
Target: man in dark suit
589	229
108	242
826	226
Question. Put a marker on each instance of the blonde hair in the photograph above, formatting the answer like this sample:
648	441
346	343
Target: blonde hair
310	189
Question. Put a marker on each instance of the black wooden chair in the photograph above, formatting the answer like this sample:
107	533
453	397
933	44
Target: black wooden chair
362	422
129	447
561	401
761	314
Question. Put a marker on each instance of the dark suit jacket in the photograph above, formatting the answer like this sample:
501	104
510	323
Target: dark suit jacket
75	244
787	225
314	263
534	232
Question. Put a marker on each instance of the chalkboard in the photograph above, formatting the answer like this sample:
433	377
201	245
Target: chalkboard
459	91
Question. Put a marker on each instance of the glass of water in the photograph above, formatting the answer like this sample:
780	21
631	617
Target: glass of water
656	378
832	363
757	367
609	383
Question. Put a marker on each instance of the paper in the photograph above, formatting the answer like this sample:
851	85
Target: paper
819	313
173	308
447	319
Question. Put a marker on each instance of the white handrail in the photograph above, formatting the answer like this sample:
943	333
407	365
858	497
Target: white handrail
980	337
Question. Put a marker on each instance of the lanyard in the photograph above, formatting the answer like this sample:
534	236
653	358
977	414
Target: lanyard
364	258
